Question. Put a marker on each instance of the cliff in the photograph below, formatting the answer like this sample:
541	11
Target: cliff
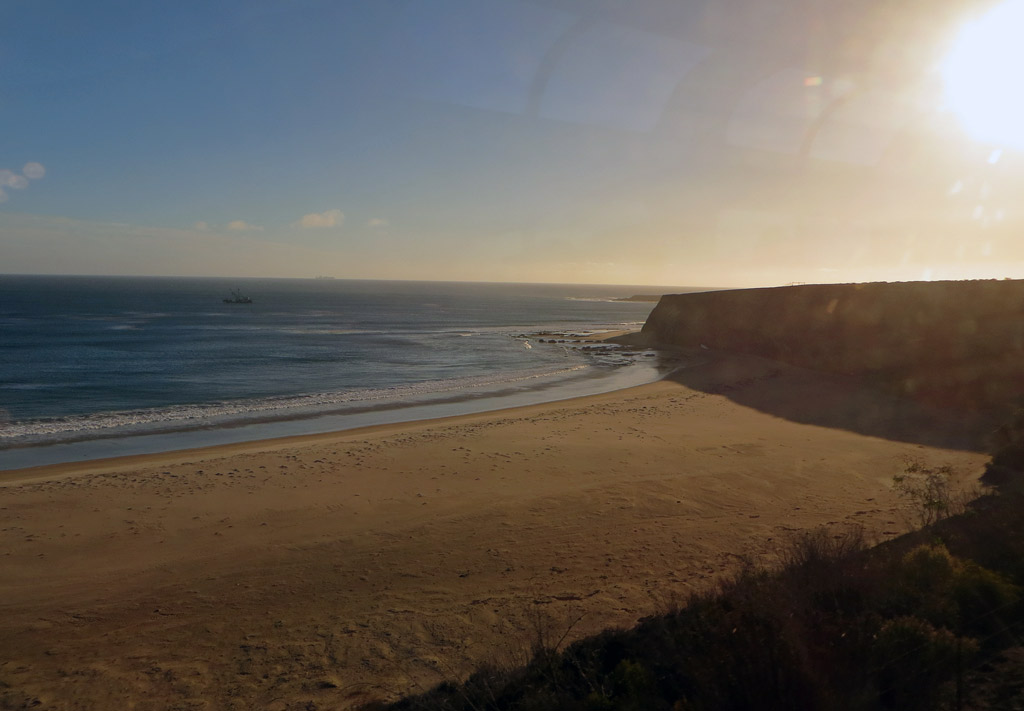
958	343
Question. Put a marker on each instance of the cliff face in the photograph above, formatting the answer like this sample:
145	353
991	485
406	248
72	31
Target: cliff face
956	343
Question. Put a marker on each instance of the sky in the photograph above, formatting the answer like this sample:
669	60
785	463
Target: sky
684	142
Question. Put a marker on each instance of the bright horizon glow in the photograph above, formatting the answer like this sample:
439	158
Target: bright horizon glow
982	75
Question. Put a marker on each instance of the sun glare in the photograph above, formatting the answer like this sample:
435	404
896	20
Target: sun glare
982	76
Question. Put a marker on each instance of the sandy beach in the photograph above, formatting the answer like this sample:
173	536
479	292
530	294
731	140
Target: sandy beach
330	570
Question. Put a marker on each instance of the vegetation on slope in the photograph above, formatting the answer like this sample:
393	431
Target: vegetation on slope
841	625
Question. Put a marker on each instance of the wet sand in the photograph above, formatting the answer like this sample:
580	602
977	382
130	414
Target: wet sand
341	568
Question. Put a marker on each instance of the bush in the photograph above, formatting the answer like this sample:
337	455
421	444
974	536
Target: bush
822	548
930	492
913	659
988	603
964	596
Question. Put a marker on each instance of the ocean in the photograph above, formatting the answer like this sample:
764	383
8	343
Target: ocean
103	366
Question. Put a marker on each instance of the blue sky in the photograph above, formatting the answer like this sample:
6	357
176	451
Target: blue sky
731	143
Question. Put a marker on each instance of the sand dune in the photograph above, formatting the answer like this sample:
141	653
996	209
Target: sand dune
340	568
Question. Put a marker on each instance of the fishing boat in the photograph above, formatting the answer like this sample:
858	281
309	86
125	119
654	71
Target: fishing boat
237	298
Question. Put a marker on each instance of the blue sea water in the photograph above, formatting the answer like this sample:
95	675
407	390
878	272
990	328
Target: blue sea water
120	359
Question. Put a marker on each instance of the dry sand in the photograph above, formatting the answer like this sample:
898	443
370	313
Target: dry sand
325	571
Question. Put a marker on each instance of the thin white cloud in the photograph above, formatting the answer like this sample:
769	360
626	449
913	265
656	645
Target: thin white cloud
377	222
241	225
34	170
327	218
10	179
201	226
16	181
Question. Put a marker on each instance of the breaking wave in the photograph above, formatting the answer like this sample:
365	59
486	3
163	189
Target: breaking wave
269	408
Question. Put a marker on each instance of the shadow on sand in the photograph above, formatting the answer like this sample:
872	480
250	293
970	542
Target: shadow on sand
835	401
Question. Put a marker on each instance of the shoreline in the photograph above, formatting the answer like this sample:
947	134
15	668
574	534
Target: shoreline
94	447
354	566
46	472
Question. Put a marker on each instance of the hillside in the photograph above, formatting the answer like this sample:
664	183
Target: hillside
956	343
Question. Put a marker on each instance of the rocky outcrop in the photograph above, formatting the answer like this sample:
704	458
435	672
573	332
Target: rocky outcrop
959	343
